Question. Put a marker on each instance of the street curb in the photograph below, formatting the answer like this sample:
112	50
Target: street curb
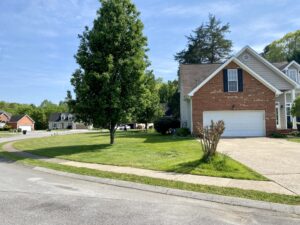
235	201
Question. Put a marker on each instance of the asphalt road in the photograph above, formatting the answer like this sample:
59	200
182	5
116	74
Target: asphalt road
29	197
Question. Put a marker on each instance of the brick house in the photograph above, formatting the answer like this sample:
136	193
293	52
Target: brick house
4	118
251	95
24	122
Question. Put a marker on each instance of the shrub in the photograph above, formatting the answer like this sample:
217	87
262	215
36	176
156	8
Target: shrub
19	130
278	135
165	125
139	127
6	128
182	132
209	138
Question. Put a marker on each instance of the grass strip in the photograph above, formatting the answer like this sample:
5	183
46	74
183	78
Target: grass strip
233	192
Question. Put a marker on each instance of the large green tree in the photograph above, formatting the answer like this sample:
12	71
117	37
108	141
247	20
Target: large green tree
169	97
150	108
286	48
207	44
112	59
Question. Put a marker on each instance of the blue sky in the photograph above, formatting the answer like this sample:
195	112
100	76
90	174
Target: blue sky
38	38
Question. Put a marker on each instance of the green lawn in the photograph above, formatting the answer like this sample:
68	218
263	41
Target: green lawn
294	139
4	134
138	149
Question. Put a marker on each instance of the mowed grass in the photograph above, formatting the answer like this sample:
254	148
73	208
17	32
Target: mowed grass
296	139
138	149
4	134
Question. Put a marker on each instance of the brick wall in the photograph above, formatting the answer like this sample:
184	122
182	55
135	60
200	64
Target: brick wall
256	96
4	118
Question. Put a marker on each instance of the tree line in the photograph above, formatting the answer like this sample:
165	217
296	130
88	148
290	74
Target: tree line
40	114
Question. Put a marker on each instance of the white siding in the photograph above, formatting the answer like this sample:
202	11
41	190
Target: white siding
293	67
185	112
264	71
281	100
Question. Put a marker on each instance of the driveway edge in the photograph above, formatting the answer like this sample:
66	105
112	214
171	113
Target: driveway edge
181	193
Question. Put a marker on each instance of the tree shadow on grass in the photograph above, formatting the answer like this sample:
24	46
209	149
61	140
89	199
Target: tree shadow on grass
68	150
149	137
219	163
187	167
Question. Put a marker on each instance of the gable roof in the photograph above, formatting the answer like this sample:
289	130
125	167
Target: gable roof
193	74
280	65
6	113
16	118
243	66
268	64
55	117
291	63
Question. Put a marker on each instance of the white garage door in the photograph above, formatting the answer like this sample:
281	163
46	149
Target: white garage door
28	128
238	123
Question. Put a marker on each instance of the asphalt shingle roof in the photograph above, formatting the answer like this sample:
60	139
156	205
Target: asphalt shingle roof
16	118
193	74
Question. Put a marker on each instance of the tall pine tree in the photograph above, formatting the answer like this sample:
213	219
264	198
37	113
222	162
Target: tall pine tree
112	62
207	44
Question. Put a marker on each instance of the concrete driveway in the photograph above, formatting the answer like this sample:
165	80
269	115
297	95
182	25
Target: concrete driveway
276	159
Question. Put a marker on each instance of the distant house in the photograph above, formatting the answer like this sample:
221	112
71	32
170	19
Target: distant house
23	122
4	118
65	121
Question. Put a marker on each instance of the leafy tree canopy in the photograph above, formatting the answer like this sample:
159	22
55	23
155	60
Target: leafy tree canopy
296	108
169	97
150	108
207	44
286	48
112	60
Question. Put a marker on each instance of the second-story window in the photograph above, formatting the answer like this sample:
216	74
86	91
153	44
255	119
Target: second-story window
232	80
292	73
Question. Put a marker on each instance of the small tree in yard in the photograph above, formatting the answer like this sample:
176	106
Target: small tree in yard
112	57
209	138
296	110
149	106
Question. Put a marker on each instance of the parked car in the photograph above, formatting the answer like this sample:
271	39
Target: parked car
123	127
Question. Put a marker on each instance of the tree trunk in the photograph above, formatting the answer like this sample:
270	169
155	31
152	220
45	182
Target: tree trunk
112	131
112	137
146	126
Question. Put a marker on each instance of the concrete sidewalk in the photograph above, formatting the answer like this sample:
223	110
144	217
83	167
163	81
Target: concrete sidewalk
265	186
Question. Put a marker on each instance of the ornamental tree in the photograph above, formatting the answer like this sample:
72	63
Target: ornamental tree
112	60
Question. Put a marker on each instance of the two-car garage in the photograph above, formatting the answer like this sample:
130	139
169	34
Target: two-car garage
239	123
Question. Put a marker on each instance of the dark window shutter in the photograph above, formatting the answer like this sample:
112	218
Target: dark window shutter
240	80
225	80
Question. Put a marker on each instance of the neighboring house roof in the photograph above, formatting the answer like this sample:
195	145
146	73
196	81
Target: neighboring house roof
243	66
291	63
268	64
16	118
56	117
280	65
6	113
193	74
